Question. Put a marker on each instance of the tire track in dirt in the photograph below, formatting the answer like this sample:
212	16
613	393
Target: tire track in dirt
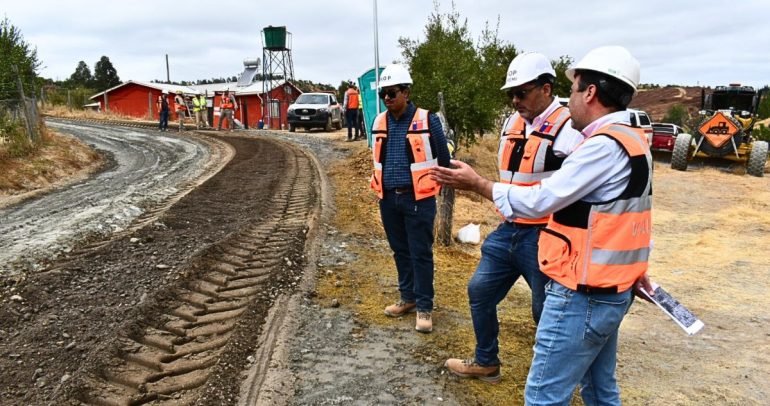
174	354
170	311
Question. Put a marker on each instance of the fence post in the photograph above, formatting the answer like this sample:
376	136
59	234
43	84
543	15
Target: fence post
25	110
446	201
69	101
149	106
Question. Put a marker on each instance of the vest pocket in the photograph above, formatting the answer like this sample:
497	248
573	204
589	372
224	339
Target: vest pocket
553	254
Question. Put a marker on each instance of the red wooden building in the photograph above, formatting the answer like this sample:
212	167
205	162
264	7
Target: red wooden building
138	99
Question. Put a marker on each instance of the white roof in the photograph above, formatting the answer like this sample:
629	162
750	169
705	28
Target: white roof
211	88
254	88
174	89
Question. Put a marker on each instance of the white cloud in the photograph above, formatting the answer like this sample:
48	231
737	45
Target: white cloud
684	42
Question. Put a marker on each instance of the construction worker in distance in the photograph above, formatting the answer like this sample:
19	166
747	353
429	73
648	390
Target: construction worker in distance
180	107
534	141
596	245
163	110
199	107
408	141
351	102
227	106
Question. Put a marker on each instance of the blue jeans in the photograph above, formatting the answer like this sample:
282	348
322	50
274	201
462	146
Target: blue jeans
507	253
351	121
163	122
576	343
408	225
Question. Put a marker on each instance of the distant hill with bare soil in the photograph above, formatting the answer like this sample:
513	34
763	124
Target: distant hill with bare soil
657	102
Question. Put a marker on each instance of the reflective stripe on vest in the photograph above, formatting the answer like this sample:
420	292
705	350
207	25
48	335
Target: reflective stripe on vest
607	244
526	160
420	151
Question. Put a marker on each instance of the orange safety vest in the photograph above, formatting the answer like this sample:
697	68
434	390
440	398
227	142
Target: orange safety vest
421	156
352	99
526	160
227	102
604	247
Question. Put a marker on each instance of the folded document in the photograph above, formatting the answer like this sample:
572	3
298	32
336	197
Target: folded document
683	317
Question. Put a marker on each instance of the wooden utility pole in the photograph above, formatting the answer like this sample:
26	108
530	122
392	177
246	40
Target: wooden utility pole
447	196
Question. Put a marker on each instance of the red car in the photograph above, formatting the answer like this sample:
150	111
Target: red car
664	136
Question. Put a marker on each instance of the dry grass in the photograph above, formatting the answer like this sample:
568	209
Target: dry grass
369	283
64	112
57	159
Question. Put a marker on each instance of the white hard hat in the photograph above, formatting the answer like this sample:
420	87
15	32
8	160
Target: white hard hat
613	61
395	74
165	91
525	68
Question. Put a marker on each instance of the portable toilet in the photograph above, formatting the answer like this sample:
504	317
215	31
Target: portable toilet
367	83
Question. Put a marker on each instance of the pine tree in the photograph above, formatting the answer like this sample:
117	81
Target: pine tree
82	75
105	75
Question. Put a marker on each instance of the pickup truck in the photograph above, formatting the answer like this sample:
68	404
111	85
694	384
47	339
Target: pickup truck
664	136
315	110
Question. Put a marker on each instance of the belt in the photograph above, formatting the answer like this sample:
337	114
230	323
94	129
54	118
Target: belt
525	225
591	290
402	190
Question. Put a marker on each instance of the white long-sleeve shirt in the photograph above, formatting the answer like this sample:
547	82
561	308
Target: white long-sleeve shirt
597	171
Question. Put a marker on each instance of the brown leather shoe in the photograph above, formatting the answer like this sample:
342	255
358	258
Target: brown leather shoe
424	322
469	368
399	309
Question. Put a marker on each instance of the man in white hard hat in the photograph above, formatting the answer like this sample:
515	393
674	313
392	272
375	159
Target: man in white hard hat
227	106
534	141
407	142
596	245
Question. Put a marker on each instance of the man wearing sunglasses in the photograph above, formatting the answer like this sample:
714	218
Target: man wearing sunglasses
596	245
534	141
407	142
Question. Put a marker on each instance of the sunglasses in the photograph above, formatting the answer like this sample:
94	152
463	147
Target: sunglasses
391	93
521	93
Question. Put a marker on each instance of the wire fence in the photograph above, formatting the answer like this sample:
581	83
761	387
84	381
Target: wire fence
19	111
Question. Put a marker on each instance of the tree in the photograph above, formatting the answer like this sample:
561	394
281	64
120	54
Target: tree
677	114
763	111
105	75
82	76
19	54
562	86
447	61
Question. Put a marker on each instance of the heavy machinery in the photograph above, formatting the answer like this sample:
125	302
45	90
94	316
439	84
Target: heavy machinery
724	131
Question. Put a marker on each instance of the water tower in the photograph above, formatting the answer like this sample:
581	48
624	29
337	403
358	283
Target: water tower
277	67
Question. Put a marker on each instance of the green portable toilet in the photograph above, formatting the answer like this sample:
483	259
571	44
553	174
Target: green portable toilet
367	83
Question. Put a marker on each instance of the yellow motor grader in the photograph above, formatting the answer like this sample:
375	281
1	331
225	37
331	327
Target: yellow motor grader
727	115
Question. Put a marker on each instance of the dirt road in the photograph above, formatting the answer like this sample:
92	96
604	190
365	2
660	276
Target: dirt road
170	310
197	302
142	170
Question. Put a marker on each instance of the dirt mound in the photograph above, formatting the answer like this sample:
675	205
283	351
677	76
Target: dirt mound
657	102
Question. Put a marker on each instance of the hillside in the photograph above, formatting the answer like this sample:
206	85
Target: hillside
657	102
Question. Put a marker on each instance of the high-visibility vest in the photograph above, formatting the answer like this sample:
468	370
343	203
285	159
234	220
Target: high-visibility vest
353	99
526	160
227	102
604	247
199	103
419	150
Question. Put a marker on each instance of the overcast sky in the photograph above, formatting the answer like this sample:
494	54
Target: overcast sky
682	42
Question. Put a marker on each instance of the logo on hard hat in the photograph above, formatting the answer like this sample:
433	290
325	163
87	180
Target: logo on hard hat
385	77
512	75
